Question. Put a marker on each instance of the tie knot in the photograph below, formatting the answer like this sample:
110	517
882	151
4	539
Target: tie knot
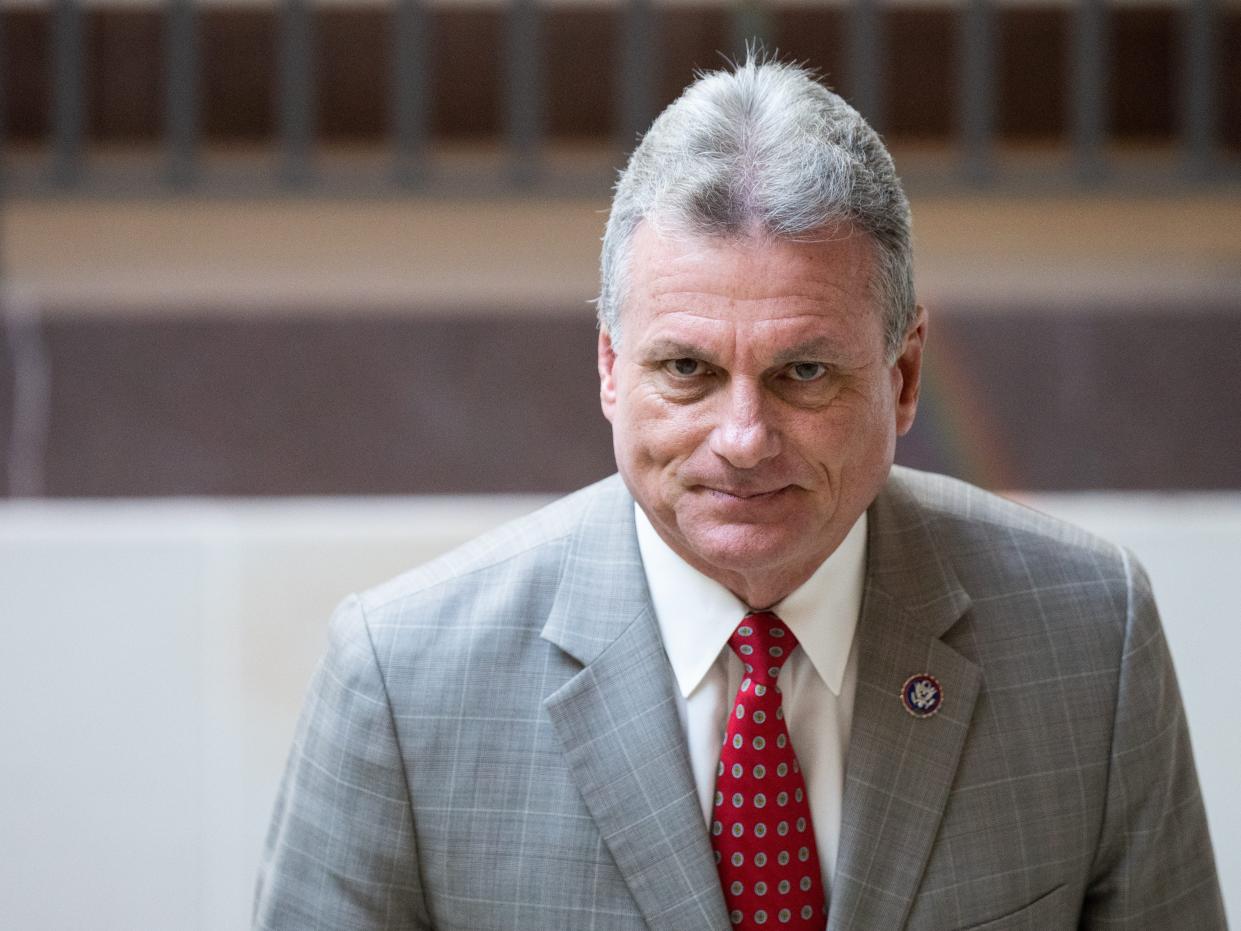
762	643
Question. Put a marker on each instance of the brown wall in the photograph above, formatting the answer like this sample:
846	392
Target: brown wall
390	405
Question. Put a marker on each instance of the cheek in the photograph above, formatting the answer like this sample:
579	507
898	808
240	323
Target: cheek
875	429
849	429
652	432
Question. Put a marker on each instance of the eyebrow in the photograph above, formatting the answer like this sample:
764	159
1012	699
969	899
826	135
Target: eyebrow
811	350
665	348
817	350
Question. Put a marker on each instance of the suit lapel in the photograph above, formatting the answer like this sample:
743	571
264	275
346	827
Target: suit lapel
617	722
899	768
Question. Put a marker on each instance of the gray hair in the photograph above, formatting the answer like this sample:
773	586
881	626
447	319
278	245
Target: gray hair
764	147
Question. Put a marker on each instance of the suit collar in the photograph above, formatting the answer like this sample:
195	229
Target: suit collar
618	726
601	589
908	563
900	768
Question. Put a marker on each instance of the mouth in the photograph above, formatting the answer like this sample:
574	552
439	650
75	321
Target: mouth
738	494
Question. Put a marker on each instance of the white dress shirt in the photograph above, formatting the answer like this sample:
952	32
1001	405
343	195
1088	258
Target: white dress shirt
696	617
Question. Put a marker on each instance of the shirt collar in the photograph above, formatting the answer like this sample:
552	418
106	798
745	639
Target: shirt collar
697	615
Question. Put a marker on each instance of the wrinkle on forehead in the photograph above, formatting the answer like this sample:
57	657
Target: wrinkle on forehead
682	268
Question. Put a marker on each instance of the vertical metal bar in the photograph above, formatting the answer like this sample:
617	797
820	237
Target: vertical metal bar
635	104
181	101
296	100
4	120
977	90
1089	96
68	106
524	110
1200	100
865	57
410	100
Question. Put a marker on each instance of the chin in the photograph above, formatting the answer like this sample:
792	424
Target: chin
746	547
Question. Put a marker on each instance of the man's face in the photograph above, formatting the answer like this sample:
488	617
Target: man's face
754	414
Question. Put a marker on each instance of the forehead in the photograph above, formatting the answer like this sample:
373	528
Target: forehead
757	285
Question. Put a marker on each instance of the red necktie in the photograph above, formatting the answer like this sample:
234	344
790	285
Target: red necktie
760	827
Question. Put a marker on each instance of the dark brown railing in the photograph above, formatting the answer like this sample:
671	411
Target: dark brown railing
1201	158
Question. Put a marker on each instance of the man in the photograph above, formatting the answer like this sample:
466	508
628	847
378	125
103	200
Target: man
936	709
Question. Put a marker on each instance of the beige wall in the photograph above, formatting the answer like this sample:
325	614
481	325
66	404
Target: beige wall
124	259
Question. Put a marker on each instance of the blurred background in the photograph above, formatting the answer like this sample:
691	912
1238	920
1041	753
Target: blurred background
296	295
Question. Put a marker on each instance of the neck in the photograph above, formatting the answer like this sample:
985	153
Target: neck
763	587
764	592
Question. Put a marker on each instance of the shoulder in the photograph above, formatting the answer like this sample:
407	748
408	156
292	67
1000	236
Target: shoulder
964	521
502	581
1021	571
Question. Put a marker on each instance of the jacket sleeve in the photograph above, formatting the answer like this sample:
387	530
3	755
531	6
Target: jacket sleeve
1154	867
341	852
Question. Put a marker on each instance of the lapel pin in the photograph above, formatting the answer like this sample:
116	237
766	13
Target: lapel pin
922	695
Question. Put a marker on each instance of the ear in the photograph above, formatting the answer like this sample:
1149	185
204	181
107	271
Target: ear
907	373
607	377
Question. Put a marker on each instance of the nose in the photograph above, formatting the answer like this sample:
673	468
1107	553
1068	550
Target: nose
745	433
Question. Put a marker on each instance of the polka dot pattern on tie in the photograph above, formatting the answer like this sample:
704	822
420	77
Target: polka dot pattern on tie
760	827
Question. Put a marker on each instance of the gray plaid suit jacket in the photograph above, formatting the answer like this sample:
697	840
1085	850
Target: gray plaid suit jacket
492	741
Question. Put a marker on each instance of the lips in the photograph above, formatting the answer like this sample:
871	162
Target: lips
745	494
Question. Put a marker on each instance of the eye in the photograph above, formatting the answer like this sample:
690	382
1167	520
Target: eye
686	367
807	371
